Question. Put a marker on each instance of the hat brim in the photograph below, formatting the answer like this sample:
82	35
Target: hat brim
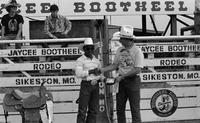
126	36
82	45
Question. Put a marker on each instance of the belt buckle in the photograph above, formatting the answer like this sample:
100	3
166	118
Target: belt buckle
93	82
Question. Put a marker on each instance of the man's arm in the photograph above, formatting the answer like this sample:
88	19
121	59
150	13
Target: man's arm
46	29
109	68
3	32
18	36
68	26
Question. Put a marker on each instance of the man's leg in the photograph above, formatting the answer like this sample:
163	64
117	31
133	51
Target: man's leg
134	100
121	104
84	97
93	105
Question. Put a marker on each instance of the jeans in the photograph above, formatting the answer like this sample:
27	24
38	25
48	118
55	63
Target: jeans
88	103
129	89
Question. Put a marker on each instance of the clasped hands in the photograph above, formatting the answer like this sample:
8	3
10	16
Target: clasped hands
95	71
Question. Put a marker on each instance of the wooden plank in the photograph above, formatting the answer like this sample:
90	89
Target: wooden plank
11	119
184	83
37	66
78	40
170	76
30	52
180	114
36	81
171	61
62	118
158	48
179	91
59	80
182	103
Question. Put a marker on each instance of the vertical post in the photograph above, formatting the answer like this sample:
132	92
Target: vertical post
173	25
144	24
104	104
197	27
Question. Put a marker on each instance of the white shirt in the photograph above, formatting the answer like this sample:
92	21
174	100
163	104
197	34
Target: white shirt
83	65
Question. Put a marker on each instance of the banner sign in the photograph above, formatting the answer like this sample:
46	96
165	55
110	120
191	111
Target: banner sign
36	81
30	7
38	66
148	48
104	7
172	61
40	52
170	76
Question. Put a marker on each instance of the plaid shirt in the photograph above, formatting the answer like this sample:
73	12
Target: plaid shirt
54	25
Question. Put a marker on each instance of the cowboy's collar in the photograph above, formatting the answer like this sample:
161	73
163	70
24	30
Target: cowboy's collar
87	57
58	17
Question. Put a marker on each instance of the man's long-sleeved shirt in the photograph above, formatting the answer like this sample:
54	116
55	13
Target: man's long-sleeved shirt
58	24
83	65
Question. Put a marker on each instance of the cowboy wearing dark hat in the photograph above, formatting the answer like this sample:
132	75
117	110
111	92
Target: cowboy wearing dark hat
12	23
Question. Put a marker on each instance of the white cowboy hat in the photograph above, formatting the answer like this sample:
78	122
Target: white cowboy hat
126	32
88	41
12	3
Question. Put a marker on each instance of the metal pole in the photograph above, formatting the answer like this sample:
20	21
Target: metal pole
164	38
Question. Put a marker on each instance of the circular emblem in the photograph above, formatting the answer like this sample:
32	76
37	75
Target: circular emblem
164	103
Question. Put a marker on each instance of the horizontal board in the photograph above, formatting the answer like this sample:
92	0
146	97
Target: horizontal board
11	119
71	80
171	61
170	76
30	52
37	66
179	91
180	114
188	106
58	118
36	81
182	103
71	64
161	48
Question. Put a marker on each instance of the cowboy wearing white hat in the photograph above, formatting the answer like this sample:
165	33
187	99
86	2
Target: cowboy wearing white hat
128	61
87	68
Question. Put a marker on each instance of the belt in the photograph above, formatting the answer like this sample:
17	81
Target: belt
131	77
92	82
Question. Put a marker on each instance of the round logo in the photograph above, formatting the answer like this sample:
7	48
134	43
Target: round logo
164	103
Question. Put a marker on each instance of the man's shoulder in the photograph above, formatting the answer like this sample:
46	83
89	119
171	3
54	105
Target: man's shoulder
18	15
81	58
62	17
6	15
135	49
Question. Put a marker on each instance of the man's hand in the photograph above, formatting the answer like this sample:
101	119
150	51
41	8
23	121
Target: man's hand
54	37
17	38
65	32
3	38
118	79
95	71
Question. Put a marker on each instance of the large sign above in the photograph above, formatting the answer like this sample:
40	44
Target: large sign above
103	7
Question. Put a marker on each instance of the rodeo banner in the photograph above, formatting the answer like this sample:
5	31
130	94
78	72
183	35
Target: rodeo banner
103	7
